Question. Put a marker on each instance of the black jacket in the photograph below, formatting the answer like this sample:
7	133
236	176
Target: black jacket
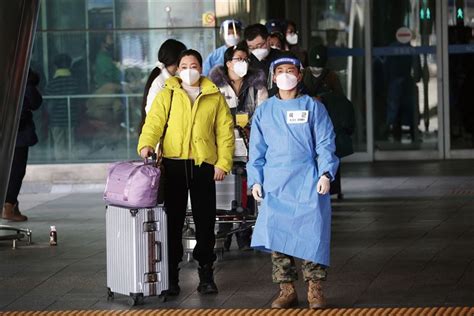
328	89
264	64
31	102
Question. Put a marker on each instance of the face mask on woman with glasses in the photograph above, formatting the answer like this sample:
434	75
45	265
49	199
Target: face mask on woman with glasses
240	68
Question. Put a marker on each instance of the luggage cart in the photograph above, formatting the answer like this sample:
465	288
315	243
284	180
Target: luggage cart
231	202
15	234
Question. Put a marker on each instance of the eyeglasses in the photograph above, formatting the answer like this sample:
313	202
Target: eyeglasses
247	60
257	46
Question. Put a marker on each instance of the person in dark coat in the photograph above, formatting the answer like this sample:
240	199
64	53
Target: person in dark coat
261	54
244	89
26	137
292	44
61	118
323	84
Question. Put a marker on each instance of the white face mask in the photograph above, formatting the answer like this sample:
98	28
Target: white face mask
286	81
189	76
316	71
231	40
275	47
261	53
292	38
241	68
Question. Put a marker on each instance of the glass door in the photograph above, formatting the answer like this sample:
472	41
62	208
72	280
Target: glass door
341	26
460	99
404	80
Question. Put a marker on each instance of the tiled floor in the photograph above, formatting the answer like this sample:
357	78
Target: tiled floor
403	236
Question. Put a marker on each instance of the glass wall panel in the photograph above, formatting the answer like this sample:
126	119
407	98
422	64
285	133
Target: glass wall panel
461	73
100	116
184	13
340	25
112	46
405	89
100	14
63	15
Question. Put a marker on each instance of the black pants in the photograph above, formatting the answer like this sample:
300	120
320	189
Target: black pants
181	176
17	173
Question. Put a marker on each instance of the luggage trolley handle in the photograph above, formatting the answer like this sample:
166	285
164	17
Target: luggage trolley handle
151	228
153	157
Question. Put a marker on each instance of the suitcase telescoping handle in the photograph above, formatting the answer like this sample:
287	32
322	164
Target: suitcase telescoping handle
153	158
158	251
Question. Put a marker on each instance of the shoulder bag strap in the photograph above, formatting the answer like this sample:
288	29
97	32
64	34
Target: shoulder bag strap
159	157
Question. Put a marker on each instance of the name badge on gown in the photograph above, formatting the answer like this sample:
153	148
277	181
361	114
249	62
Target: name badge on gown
296	117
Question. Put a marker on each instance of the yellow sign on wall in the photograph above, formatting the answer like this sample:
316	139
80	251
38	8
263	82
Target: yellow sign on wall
208	19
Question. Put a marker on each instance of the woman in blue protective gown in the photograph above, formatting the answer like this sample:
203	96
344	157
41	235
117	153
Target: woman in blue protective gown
291	163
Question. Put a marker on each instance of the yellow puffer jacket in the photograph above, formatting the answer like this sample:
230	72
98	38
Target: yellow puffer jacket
205	128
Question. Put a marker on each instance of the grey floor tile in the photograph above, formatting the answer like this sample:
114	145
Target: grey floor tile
461	295
402	236
72	304
31	303
7	299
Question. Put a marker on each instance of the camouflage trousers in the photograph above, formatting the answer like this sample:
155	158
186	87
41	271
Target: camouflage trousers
284	269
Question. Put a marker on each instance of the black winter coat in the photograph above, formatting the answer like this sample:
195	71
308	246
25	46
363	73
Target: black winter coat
31	102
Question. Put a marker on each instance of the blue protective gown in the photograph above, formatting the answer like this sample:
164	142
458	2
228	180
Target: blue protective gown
287	159
215	58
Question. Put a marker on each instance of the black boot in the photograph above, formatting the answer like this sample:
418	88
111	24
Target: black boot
173	289
227	242
206	280
244	238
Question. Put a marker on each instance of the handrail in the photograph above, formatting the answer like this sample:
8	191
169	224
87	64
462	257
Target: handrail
68	98
81	96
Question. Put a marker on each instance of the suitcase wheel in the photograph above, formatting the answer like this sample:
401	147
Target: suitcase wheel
136	299
163	298
110	294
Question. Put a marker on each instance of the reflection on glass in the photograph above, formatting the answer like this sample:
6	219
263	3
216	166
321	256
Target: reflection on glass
104	106
404	76
461	74
339	25
94	128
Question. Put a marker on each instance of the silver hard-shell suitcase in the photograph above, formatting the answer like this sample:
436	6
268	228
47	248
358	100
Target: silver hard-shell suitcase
137	252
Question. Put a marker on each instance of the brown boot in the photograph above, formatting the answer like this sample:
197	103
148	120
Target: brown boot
287	297
17	212
12	213
316	298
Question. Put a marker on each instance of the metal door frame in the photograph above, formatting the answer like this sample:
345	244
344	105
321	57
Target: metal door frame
368	155
449	153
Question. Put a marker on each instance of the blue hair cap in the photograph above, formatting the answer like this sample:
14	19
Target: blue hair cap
286	61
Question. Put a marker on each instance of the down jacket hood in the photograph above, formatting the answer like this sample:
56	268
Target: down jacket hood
254	77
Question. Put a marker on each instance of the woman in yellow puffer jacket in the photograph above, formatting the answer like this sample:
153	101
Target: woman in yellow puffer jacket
198	147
